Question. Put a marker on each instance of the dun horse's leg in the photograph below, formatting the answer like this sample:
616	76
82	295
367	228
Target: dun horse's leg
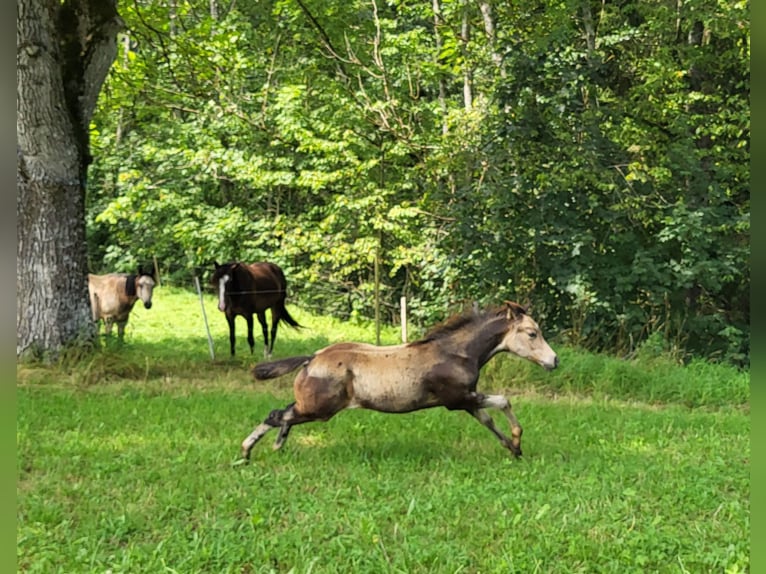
230	321
272	421
265	330
107	327
121	330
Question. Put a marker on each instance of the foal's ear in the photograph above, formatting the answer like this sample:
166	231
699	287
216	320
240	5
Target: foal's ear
514	310
216	264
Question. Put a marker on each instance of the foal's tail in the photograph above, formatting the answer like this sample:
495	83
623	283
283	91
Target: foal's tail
274	369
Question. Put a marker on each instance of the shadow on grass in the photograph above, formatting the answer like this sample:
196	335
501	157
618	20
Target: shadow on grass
137	359
344	448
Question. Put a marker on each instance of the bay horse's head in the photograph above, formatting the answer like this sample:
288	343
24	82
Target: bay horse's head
143	287
222	278
525	339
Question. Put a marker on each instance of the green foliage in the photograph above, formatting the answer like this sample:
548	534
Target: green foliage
613	211
599	170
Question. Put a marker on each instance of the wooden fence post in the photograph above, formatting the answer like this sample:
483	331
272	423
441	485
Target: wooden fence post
157	271
403	311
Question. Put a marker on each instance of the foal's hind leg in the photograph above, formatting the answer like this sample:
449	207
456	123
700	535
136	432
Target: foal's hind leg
272	421
291	418
498	402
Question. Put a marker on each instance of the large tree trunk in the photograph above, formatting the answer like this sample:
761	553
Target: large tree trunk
64	51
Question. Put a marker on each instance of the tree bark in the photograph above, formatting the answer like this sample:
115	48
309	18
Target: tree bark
442	83
489	29
63	52
465	37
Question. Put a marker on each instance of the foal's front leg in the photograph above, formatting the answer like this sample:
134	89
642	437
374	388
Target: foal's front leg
499	402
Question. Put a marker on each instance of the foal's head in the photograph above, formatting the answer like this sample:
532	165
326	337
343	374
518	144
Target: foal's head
525	339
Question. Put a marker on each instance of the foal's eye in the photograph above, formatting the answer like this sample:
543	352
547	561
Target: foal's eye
532	335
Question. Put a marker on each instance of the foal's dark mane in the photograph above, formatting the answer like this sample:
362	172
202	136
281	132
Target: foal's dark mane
457	322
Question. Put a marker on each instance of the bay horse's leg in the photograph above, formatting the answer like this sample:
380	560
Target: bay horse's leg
265	329
498	402
250	339
272	421
230	321
275	316
121	329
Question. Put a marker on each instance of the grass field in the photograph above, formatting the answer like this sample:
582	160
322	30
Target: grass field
126	464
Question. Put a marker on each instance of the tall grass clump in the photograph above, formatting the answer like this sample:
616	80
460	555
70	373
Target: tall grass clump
656	380
170	341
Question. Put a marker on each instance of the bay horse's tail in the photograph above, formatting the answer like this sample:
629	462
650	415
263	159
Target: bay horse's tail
287	318
274	369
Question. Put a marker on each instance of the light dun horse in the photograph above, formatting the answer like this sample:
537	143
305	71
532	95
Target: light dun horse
247	289
112	297
442	369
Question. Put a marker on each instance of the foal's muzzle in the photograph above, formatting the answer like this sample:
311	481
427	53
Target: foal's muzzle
552	365
148	304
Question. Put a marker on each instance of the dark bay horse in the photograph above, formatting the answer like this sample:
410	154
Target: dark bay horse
246	289
113	295
442	369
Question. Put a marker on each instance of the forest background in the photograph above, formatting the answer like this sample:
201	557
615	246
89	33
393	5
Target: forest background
590	158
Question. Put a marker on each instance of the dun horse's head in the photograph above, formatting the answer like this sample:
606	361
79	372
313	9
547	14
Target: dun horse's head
144	287
525	339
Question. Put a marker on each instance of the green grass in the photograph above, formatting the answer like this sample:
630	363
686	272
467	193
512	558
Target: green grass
125	464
